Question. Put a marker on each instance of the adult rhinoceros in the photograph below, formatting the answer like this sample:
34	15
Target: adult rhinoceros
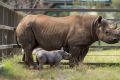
74	33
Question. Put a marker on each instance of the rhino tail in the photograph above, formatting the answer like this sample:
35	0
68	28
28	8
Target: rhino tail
19	46
31	26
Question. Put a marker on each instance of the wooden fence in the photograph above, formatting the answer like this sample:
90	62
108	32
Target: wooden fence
68	9
8	21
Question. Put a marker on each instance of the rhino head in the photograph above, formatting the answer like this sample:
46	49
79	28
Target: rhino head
106	30
65	55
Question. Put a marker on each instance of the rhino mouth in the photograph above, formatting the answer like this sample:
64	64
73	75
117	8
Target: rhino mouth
112	41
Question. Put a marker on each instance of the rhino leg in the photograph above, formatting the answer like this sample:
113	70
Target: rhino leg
78	55
83	54
73	61
40	65
66	48
28	56
28	42
75	52
23	58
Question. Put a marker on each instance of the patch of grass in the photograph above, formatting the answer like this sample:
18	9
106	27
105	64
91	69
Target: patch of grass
14	71
103	56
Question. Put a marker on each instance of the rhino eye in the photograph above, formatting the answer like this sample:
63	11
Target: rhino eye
106	32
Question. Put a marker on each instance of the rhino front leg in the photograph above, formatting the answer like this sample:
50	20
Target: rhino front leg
78	54
73	61
83	53
75	52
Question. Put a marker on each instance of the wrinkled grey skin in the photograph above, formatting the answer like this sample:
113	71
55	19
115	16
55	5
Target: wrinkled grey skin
52	58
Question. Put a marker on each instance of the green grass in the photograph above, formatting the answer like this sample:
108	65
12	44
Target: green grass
14	71
106	56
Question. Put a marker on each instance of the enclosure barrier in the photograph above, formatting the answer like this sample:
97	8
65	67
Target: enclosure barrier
67	9
8	21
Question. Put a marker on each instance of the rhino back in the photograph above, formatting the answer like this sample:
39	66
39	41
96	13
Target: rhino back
51	32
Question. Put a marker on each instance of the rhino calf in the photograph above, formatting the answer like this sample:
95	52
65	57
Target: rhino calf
52	58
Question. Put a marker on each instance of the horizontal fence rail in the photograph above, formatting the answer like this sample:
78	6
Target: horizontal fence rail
16	46
72	1
8	46
103	55
106	47
66	2
4	27
114	20
67	9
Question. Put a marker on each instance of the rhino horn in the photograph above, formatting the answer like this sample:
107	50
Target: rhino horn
117	31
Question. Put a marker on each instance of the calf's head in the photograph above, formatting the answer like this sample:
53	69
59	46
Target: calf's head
106	30
65	55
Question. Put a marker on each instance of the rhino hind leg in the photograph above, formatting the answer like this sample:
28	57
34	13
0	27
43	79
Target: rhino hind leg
23	58
40	66
41	61
27	56
28	42
28	59
37	61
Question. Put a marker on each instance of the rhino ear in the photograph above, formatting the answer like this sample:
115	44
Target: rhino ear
99	19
